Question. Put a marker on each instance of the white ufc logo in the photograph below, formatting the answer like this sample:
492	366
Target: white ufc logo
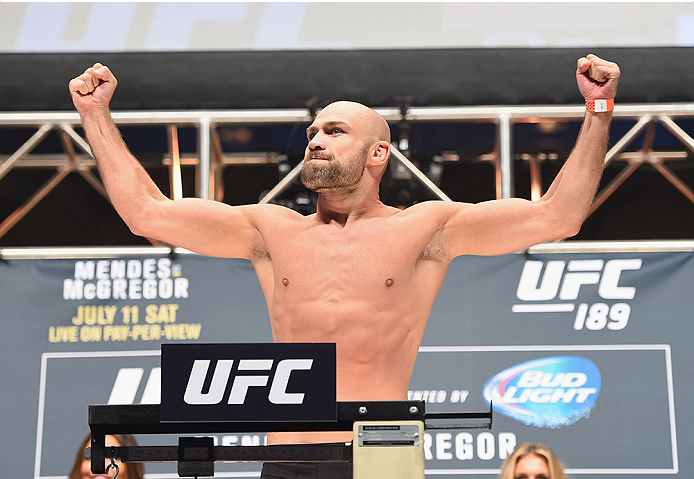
535	286
278	394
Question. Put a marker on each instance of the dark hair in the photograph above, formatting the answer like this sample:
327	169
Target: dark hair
132	470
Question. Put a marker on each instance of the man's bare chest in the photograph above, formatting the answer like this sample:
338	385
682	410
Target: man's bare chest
350	256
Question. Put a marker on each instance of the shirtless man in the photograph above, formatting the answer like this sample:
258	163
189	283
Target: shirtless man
357	272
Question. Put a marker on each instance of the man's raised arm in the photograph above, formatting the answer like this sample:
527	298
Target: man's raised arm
207	227
504	226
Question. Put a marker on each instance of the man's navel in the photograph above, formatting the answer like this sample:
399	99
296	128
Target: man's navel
389	282
285	281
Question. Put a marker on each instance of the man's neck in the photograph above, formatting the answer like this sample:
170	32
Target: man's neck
345	206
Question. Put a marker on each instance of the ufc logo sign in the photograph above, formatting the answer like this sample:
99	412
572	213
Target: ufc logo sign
241	382
248	382
535	286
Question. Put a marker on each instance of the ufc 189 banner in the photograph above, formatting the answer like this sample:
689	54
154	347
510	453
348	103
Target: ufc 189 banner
587	352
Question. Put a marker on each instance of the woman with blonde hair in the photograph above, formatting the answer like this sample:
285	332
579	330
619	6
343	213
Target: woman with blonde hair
532	461
81	469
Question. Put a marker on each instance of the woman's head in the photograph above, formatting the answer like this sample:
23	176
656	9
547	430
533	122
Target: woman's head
81	469
532	461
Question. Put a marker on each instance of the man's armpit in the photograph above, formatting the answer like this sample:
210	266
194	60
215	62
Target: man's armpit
437	249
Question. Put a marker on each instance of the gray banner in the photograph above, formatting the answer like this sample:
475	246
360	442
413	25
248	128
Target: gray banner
587	352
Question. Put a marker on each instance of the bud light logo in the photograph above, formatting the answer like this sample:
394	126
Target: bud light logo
548	392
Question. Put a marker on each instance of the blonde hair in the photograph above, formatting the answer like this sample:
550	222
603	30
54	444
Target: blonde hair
556	468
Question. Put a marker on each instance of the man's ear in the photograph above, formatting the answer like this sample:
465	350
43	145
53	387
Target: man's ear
380	153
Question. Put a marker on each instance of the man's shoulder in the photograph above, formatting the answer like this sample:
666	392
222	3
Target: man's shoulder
269	211
433	209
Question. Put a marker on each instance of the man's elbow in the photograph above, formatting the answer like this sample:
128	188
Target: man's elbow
137	228
568	227
141	220
561	221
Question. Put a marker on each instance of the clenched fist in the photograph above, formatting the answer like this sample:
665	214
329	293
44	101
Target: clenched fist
597	78
93	89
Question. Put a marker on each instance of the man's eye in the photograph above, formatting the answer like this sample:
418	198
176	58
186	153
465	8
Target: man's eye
335	131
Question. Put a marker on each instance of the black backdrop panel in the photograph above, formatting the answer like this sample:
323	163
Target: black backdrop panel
289	79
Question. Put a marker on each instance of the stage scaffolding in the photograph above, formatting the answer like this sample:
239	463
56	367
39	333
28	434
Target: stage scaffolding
210	159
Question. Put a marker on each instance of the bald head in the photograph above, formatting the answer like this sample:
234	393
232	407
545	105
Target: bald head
373	125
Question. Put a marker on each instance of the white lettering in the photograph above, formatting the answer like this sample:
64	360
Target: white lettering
528	289
583	393
149	289
278	391
163	268
102	268
166	288
148	268
239	389
120	279
530	379
241	385
443	446
73	289
574	380
84	270
464	446
507	443
563	395
485	446
118	269
135	289
546	395
427	447
541	395
103	289
574	280
89	291
609	286
181	287
133	269
194	394
435	396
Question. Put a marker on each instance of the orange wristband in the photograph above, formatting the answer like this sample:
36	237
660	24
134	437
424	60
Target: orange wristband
600	105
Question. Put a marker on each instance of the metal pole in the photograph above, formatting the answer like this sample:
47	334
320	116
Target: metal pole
677	131
535	178
175	165
205	149
675	180
614	184
78	140
505	155
24	149
20	212
626	139
420	176
282	185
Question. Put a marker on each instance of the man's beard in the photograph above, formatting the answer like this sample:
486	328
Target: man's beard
329	174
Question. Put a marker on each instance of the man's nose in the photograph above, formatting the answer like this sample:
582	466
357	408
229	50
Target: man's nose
316	143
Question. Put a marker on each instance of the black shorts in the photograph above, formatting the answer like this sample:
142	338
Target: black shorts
306	470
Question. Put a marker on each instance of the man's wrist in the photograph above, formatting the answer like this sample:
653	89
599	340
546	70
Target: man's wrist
600	106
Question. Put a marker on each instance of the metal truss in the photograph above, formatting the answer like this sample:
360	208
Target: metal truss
210	158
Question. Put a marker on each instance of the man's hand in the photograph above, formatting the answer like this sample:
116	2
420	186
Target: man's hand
93	89
597	78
